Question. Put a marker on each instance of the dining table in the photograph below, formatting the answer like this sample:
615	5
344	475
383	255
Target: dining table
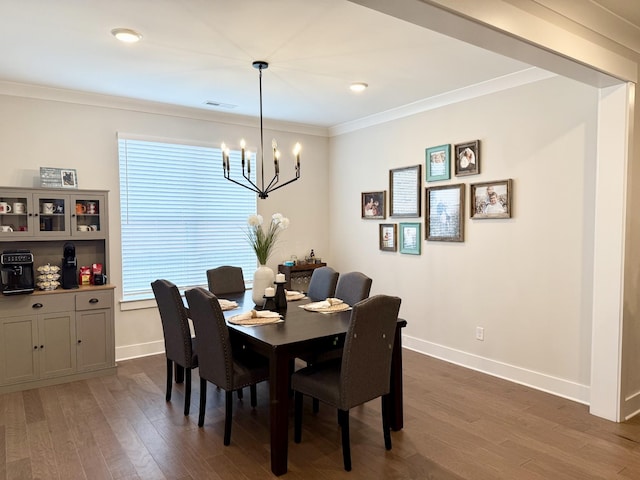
302	332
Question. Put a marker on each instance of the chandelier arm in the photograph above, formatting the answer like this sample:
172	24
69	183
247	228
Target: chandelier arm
273	182
250	181
253	187
284	184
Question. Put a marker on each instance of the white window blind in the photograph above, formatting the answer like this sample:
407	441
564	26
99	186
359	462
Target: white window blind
179	216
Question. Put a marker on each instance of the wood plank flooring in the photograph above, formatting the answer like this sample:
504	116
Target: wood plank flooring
459	424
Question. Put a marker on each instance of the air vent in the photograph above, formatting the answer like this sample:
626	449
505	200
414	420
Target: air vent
213	103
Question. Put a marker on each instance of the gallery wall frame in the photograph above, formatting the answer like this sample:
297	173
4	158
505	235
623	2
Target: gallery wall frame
410	237
389	237
491	199
373	205
467	158
444	219
405	191
438	163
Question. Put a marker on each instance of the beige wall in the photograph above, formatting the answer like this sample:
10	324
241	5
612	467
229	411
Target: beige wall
525	280
35	133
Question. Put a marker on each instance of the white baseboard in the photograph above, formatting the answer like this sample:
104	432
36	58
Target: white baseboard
539	381
139	350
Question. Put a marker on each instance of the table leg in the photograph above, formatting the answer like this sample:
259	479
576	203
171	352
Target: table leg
395	412
279	410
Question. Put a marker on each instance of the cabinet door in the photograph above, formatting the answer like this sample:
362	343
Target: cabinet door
56	335
94	339
19	343
51	215
88	217
16	214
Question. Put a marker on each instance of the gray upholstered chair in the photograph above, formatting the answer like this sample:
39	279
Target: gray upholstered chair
361	375
219	364
178	344
353	287
226	279
322	284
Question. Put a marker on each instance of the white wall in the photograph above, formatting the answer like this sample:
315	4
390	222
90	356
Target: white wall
526	280
35	133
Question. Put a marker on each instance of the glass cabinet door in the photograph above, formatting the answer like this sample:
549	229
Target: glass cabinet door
51	216
15	214
87	215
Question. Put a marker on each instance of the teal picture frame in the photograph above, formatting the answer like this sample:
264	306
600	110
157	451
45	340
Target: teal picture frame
438	163
410	238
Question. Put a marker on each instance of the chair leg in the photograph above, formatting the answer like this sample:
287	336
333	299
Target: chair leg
187	392
228	414
385	423
203	401
179	373
346	446
169	379
254	395
297	430
316	405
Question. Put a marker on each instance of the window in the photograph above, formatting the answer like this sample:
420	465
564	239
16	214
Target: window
179	215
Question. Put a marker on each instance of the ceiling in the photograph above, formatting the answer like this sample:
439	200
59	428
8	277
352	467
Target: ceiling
198	51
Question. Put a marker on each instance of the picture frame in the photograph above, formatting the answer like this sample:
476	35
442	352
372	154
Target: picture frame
51	177
482	194
373	205
405	191
410	238
467	158
388	237
445	213
438	163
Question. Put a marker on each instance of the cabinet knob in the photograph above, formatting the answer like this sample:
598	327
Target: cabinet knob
35	347
41	346
37	305
79	341
94	300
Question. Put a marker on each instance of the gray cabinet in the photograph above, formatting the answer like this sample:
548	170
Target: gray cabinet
55	337
62	335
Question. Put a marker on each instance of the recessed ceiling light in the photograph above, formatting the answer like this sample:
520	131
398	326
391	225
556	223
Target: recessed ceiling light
126	35
358	86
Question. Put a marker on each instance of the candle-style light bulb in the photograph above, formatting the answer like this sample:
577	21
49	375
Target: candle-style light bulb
227	155
224	162
248	164
296	152
242	145
275	161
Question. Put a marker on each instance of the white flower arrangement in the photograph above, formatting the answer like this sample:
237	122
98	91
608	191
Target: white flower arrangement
263	242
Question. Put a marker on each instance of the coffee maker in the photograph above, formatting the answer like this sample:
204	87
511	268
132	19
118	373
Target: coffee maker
69	267
17	272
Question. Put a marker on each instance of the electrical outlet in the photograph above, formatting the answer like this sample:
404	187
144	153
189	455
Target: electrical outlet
479	333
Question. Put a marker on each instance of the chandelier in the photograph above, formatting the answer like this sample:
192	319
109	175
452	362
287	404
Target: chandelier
246	157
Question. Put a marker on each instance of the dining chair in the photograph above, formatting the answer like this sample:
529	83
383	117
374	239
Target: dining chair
361	375
322	284
179	347
225	279
353	287
227	368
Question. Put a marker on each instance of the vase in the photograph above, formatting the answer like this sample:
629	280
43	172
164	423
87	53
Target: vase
262	278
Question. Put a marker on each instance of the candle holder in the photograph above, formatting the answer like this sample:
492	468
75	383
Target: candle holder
281	297
269	303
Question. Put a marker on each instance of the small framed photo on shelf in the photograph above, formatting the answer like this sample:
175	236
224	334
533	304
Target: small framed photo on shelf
373	205
438	163
405	189
445	213
467	158
388	237
410	238
491	199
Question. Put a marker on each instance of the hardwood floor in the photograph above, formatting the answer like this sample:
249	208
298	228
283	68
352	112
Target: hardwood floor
459	424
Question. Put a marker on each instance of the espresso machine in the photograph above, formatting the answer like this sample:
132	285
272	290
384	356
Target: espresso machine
17	272
69	267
